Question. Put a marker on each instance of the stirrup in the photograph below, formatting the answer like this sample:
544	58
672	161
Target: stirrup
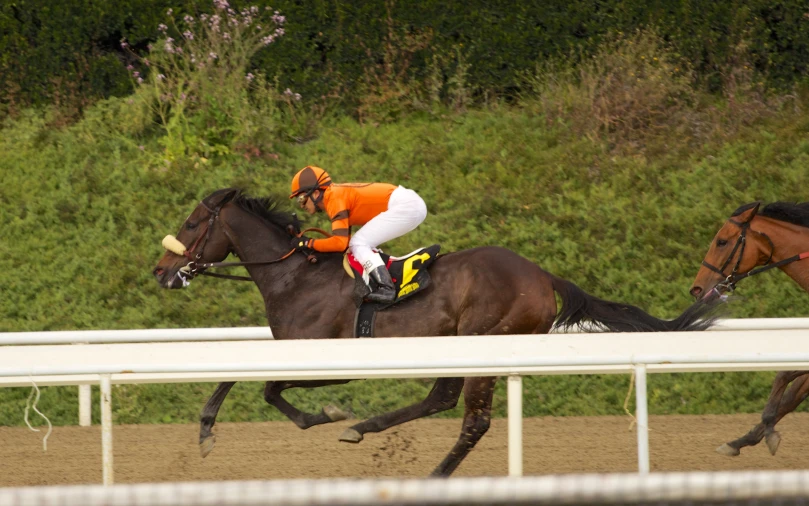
383	294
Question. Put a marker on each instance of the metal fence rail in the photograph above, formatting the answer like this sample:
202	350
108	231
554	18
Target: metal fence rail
750	487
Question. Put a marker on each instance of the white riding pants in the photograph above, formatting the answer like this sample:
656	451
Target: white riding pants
406	210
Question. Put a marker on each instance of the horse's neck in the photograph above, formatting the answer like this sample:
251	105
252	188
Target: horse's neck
789	240
291	287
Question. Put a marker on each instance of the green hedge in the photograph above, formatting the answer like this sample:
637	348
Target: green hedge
58	51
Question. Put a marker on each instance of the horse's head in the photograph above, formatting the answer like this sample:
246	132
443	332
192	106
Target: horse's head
735	250
202	238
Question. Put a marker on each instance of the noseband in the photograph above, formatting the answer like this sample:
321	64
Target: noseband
731	279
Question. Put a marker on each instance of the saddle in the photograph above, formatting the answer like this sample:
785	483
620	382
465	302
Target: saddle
409	274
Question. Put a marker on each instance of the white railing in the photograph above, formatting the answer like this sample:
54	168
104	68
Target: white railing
736	487
260	333
512	356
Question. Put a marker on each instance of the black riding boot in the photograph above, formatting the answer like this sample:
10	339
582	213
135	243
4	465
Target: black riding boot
384	292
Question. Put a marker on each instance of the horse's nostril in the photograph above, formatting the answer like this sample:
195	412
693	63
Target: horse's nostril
696	291
158	271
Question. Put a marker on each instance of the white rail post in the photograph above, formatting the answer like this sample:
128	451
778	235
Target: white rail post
85	406
106	429
85	403
514	392
642	416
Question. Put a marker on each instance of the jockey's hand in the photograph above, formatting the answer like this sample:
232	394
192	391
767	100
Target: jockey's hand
302	243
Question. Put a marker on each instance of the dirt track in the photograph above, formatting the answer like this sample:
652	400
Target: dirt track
153	453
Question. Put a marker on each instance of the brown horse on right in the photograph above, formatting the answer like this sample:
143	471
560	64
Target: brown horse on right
750	242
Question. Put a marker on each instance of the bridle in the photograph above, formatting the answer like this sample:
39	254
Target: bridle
195	267
731	279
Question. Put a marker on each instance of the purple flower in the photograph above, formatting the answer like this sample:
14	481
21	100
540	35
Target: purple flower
140	80
169	12
162	27
188	19
124	45
188	35
130	67
160	77
249	76
212	56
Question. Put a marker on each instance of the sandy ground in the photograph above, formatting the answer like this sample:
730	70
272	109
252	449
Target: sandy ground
273	450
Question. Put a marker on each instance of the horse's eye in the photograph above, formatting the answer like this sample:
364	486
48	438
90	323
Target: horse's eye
721	242
190	226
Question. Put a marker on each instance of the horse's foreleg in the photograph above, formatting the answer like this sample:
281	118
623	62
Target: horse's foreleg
208	417
443	396
330	413
796	394
769	417
478	394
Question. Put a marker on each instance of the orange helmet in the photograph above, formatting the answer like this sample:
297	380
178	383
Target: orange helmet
309	179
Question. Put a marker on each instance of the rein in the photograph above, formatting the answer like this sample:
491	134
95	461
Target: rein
195	267
310	257
733	278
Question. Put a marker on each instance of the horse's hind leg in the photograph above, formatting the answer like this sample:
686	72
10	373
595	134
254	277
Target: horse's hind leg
777	407
330	413
478	393
443	396
208	417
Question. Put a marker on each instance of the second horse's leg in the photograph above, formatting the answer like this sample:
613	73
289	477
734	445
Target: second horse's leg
769	416
330	413
797	393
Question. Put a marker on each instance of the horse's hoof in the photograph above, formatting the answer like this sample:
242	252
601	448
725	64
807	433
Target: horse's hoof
206	445
334	413
773	439
350	436
728	450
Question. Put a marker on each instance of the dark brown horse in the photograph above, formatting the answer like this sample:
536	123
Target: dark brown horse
486	290
750	242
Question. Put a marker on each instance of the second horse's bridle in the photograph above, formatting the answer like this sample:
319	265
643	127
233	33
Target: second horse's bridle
731	279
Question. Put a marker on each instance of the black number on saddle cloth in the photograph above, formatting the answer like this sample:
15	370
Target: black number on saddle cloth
410	275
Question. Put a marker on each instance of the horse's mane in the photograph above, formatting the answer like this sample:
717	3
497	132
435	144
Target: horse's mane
791	212
265	208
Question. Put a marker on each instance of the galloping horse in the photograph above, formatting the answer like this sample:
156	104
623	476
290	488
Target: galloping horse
750	242
487	290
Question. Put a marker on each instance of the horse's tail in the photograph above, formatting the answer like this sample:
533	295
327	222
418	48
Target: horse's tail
579	308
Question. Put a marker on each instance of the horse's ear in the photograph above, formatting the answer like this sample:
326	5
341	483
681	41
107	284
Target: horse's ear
748	212
222	197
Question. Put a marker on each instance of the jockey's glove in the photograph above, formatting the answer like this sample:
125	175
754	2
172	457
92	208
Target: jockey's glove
302	243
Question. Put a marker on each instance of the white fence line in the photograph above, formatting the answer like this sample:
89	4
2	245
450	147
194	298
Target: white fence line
263	333
513	356
747	487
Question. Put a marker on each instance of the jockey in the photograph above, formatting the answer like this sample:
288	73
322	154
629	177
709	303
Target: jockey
384	212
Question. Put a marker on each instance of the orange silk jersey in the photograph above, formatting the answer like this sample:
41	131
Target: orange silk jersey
351	204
